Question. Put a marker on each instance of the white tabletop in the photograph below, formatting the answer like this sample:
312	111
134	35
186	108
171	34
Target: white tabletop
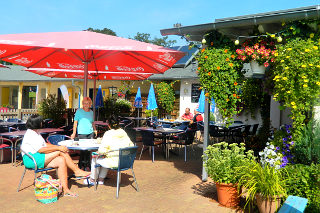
83	144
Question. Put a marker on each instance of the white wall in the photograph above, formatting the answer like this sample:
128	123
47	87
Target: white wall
185	96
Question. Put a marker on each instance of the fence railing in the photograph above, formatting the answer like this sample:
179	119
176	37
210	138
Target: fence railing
21	114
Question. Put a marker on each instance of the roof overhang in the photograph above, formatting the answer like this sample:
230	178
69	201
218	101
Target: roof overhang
232	27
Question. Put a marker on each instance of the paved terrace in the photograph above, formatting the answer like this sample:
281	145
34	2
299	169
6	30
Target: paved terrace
165	186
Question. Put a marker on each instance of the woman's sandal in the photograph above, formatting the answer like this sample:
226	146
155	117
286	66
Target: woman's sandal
82	177
70	195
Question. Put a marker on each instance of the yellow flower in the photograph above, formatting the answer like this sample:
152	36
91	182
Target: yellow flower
289	49
307	50
311	35
310	65
294	107
282	61
288	91
287	56
273	35
276	95
305	85
293	103
318	83
303	66
303	77
306	80
315	47
276	54
318	66
231	64
286	68
285	78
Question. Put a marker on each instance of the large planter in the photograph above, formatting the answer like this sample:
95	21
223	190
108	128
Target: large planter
267	205
257	69
228	194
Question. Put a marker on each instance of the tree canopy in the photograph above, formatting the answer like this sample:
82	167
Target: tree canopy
104	31
146	37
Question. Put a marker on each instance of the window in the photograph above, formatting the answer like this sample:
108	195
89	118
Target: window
195	93
29	97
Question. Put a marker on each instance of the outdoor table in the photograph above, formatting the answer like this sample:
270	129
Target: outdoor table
164	131
101	126
83	144
8	124
227	130
137	119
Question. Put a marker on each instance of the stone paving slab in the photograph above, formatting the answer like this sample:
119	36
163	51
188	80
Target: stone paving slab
165	186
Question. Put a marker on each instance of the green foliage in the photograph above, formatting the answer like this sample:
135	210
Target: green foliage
220	74
307	147
165	95
304	181
106	31
221	161
297	79
115	107
265	180
146	37
54	108
252	95
148	113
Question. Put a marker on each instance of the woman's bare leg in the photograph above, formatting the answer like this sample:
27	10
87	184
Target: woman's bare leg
72	166
50	156
59	162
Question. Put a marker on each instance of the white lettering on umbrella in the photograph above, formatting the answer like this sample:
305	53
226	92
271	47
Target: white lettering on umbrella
48	64
166	57
2	51
51	44
129	69
158	66
23	60
120	77
95	46
106	67
70	66
16	42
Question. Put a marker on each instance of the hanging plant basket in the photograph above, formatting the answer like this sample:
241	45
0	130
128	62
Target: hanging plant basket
257	69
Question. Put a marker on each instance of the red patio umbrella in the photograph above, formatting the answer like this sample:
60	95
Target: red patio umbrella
85	51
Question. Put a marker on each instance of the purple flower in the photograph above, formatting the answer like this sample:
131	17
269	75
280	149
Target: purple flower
290	136
287	145
283	152
288	131
277	148
292	142
284	139
288	150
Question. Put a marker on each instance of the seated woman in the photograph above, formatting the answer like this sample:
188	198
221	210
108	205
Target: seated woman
112	140
48	155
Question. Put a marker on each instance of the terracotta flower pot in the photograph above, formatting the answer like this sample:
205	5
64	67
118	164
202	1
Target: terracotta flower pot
228	194
267	205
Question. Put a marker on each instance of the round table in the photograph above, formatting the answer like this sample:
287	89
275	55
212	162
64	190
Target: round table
83	144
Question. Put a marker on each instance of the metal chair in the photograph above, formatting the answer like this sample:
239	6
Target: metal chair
254	129
13	120
148	139
55	139
36	169
4	146
216	132
126	160
184	139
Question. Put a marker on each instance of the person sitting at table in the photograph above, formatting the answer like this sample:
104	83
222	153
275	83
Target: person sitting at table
187	116
112	140
48	155
83	124
197	117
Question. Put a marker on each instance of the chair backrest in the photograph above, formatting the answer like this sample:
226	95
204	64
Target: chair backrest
55	139
182	126
213	131
13	120
147	138
190	133
21	126
4	129
6	140
126	157
200	126
164	125
247	129
254	129
48	123
238	122
131	134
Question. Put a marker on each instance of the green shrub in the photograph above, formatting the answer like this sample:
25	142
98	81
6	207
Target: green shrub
148	113
307	147
123	106
304	181
53	108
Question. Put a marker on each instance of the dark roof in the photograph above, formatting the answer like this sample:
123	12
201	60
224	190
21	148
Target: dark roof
177	73
17	73
232	27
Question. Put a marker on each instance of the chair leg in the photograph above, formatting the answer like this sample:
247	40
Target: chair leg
185	153
21	179
95	180
118	183
141	152
152	154
134	178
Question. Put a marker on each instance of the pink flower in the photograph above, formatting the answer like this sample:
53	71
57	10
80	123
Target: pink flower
266	64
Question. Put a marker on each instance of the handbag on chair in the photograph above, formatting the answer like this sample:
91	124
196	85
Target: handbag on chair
46	189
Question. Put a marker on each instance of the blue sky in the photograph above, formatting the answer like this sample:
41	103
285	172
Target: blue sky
127	17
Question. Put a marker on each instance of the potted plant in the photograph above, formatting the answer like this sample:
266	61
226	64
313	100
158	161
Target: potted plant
263	183
221	161
259	53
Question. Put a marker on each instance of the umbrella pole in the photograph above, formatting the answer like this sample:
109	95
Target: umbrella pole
85	78
94	97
